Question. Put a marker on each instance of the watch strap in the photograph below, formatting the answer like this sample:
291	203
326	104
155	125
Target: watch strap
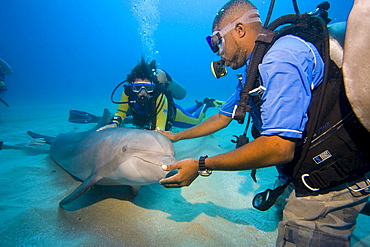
201	162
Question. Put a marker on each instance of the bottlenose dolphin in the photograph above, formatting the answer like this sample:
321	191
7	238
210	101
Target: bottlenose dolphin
115	156
356	61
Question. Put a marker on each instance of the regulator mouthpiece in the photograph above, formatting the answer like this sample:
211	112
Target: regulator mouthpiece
218	69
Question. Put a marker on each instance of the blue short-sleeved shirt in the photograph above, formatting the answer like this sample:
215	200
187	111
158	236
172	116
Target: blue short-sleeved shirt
289	71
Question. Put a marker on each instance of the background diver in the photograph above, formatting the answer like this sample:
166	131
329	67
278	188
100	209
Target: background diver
148	97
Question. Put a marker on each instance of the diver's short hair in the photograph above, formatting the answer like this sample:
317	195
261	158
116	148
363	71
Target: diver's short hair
232	7
143	70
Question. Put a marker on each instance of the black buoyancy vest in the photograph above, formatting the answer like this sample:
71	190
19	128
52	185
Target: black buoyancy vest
338	152
333	149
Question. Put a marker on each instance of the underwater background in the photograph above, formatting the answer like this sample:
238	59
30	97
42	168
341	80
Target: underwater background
71	54
74	50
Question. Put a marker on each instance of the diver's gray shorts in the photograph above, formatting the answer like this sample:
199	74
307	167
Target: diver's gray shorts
322	220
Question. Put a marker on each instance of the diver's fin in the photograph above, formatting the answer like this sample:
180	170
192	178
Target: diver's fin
85	186
76	116
48	139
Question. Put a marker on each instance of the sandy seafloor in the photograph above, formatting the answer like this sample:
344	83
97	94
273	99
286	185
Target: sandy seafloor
213	211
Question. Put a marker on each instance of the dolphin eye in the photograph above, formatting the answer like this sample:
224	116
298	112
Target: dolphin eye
124	149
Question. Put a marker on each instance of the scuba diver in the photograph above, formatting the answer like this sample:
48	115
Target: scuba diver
4	70
148	98
295	95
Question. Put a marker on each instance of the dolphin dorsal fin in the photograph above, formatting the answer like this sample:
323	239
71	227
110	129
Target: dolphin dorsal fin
104	120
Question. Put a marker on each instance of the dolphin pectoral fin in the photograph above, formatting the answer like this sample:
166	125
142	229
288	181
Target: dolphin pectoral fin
85	186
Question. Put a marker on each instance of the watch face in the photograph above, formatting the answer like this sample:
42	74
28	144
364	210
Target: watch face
205	173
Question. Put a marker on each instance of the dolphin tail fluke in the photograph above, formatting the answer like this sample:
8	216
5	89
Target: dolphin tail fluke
85	186
48	139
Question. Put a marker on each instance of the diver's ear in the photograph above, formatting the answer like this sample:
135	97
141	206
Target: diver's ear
241	30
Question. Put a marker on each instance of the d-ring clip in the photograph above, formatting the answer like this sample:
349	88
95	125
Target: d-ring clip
305	184
359	189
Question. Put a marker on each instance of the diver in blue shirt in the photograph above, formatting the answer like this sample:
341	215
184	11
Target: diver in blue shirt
289	71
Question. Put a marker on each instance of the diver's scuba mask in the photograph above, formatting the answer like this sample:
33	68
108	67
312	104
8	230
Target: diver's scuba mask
142	85
143	90
217	41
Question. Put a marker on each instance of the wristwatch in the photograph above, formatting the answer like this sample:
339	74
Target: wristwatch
203	170
117	120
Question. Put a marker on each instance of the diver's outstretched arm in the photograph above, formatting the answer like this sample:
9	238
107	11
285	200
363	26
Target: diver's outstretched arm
47	139
22	145
208	126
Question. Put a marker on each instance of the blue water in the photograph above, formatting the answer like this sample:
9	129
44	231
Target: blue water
61	51
66	51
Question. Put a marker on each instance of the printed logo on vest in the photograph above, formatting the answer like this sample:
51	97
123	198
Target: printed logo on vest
322	157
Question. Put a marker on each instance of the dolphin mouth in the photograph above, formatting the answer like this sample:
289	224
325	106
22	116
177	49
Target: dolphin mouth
149	162
160	164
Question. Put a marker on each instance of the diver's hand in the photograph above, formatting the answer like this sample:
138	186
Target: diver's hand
35	142
112	125
170	135
21	145
187	173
